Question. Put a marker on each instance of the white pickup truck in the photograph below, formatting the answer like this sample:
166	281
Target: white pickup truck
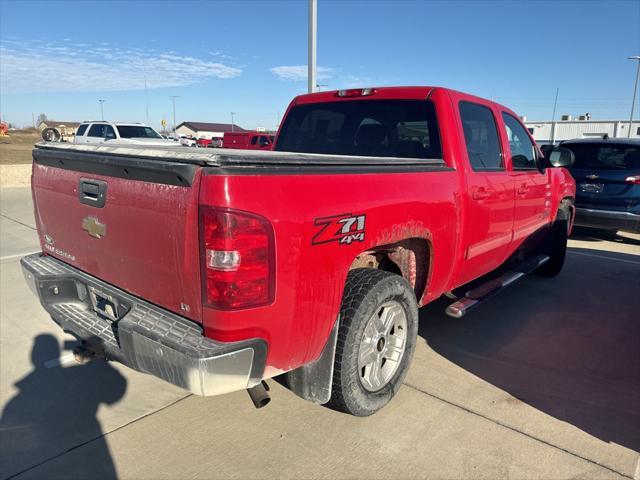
96	133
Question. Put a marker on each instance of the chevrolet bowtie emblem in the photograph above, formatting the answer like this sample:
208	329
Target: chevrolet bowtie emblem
93	227
592	177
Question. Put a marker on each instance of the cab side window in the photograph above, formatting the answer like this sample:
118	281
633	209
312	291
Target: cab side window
481	137
523	152
81	129
109	132
254	139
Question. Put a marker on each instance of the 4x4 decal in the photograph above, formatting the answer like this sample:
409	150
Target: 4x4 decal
344	229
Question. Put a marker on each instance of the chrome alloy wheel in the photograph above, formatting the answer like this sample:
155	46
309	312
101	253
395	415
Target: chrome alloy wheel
382	346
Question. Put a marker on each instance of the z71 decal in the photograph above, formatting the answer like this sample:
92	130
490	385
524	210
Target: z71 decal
344	229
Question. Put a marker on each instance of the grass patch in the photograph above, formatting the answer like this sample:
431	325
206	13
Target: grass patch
16	149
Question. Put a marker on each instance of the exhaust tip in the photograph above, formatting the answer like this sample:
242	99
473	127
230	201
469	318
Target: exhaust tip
259	395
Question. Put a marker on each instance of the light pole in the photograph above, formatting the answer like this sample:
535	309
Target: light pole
232	127
311	67
553	118
173	100
635	89
102	107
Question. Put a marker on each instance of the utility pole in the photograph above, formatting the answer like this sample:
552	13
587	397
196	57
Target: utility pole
232	127
553	118
33	120
102	107
146	94
173	100
635	90
313	25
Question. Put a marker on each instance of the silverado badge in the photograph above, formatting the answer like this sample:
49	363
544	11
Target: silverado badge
94	227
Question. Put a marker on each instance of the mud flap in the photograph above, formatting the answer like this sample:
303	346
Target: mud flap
313	381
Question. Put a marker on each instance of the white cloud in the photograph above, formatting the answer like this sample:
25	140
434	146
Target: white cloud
298	73
27	67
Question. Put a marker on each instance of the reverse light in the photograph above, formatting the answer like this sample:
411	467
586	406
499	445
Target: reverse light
238	259
356	92
634	179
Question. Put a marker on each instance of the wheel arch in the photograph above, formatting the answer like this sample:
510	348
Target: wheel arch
409	258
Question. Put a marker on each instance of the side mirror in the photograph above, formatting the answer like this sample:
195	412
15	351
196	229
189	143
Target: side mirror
561	157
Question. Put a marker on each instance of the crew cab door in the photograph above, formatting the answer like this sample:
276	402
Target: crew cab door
99	132
489	194
532	187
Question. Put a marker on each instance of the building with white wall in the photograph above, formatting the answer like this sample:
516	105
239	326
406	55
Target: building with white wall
206	130
569	128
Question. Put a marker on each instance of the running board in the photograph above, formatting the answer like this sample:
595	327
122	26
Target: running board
484	292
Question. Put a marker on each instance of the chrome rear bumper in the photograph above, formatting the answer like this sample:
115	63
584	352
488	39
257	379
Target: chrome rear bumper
141	335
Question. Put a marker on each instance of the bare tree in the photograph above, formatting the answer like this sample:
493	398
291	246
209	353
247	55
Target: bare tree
41	118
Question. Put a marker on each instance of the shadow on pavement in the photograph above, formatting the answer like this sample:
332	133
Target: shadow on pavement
586	234
567	346
55	411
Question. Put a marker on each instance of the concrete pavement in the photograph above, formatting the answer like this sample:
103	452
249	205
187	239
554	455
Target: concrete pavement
541	382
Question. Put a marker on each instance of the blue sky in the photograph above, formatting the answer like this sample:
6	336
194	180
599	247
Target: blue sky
250	57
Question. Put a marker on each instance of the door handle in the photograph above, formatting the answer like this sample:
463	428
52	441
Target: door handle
523	189
480	194
92	192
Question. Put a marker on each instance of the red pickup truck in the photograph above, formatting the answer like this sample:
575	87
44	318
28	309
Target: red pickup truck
217	270
248	140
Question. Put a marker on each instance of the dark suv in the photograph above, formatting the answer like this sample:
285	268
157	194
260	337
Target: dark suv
607	174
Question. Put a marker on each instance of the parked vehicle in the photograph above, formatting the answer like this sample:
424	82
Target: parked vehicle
607	173
215	271
203	142
94	133
248	140
187	141
216	142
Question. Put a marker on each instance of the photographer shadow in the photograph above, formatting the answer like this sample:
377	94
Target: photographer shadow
55	411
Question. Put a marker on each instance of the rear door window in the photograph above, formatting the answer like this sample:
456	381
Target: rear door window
378	128
481	137
97	130
81	129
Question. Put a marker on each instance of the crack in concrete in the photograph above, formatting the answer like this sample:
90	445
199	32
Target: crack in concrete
104	434
17	221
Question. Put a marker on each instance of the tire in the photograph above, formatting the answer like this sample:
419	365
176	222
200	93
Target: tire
374	301
556	243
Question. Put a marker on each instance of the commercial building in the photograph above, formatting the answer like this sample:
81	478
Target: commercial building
569	128
206	130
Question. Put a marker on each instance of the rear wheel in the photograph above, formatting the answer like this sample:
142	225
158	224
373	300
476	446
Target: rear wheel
376	340
556	243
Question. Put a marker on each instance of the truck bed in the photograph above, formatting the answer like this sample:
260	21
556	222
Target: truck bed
228	157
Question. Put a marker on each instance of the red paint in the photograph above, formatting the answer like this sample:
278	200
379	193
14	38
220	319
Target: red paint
152	245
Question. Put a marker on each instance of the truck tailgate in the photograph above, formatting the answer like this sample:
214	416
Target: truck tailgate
132	224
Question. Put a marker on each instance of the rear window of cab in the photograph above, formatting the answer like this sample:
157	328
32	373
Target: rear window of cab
377	128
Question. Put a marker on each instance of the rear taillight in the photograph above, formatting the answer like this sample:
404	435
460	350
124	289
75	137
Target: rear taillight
238	259
635	179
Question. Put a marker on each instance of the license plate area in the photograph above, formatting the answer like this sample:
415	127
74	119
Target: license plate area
591	187
105	305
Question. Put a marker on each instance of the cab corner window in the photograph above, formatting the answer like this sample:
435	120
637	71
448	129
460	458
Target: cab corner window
481	137
523	152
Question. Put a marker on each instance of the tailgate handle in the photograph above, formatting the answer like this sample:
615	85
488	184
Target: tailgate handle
92	192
